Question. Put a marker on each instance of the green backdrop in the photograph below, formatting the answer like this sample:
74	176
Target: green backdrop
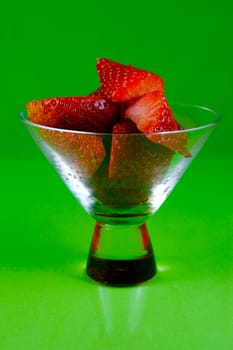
49	48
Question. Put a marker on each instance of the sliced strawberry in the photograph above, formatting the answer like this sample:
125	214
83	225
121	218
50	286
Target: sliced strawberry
133	155
136	165
125	127
123	83
121	149
83	152
90	113
152	114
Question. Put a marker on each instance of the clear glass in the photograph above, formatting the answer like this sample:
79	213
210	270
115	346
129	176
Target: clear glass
121	194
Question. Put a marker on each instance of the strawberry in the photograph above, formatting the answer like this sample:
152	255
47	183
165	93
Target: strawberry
98	92
84	152
90	113
121	144
134	155
122	83
153	116
135	163
125	127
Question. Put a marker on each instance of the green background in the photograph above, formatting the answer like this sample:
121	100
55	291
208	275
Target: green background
50	49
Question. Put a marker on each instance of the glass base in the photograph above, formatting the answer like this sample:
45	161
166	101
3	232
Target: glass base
121	255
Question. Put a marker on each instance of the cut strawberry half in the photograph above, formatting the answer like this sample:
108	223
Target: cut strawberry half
120	148
90	113
152	114
83	152
130	167
125	127
134	156
122	83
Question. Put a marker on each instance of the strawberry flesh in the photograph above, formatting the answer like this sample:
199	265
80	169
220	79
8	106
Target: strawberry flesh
90	113
153	116
122	83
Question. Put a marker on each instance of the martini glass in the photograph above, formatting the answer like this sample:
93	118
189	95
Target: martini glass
122	193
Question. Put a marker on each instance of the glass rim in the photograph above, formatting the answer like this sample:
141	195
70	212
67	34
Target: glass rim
175	104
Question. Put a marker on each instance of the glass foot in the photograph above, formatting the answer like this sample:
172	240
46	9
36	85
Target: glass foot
121	255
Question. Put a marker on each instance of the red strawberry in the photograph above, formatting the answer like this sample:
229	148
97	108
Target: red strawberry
133	155
84	152
152	114
98	92
119	164
135	167
123	83
91	113
125	127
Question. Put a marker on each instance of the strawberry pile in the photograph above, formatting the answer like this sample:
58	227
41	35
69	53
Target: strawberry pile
129	101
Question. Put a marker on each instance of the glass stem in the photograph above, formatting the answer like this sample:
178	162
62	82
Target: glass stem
121	255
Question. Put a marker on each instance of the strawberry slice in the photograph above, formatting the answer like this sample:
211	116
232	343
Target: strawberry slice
122	83
126	126
84	152
152	114
135	164
121	149
133	155
90	113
